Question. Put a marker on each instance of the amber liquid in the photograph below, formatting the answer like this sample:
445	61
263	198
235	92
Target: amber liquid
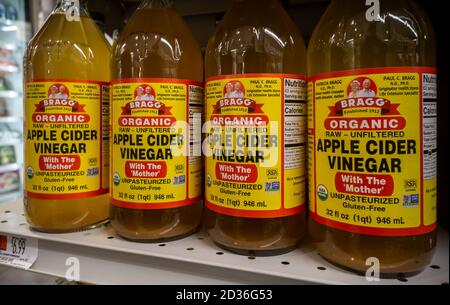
156	43
73	50
345	40
256	37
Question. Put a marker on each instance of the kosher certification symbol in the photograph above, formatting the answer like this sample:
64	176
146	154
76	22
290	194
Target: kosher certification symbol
322	192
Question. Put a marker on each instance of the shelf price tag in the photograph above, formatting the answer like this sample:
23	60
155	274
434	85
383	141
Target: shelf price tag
18	252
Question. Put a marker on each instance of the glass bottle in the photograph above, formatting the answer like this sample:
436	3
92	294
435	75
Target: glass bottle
155	51
376	41
67	76
257	41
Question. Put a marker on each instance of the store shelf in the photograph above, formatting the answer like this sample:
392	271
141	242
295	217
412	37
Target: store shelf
9	26
8	46
9	141
8	68
9	168
8	119
8	197
8	94
107	259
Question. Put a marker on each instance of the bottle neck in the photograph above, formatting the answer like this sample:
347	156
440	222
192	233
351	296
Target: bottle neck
155	4
72	8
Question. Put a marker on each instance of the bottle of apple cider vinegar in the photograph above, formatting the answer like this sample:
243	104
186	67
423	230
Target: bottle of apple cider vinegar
157	94
372	136
256	112
67	74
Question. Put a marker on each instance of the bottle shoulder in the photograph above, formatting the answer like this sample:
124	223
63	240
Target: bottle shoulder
401	36
157	43
402	24
68	50
81	38
274	42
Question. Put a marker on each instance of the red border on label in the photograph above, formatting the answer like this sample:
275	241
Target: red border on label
374	231
253	75
101	190
283	212
154	205
66	196
403	232
50	80
158	80
255	214
373	71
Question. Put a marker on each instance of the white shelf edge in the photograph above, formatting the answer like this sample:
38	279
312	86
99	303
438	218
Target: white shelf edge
8	94
8	46
14	195
9	142
9	168
8	68
115	261
9	119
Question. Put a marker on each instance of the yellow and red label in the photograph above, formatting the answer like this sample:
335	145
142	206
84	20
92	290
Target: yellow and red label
66	139
256	145
156	143
373	150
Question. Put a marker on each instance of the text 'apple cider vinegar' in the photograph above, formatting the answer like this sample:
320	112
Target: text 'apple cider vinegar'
157	98
67	78
372	136
256	112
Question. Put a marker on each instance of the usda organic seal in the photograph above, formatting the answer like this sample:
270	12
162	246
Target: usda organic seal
322	192
30	172
208	181
116	179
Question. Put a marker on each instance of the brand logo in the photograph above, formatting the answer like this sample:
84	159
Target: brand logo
235	109
59	107
364	110
145	103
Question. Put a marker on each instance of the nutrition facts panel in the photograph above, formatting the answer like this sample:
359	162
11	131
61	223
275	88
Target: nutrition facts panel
295	115
195	123
430	121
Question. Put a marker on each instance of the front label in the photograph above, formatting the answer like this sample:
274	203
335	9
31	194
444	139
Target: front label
256	139
156	143
372	146
67	139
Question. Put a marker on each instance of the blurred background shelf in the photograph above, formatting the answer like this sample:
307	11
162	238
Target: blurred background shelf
9	119
8	94
15	31
9	168
5	68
